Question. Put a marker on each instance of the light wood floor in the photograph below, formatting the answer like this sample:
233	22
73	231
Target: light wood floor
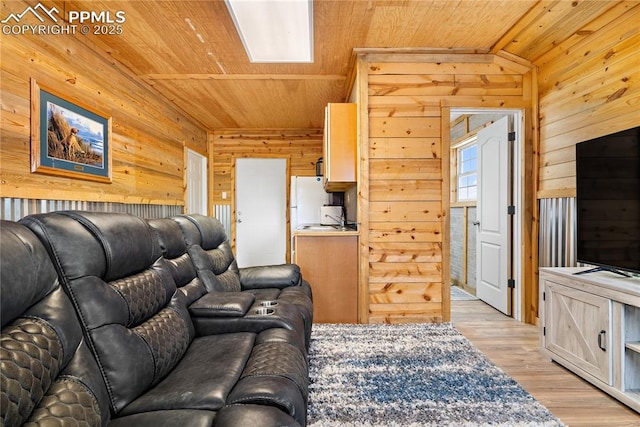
514	347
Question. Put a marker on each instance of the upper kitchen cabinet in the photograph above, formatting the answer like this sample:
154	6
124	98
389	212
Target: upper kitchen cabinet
340	134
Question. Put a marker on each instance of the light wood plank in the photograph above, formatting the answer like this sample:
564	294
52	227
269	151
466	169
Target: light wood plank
515	347
404	211
401	293
405	312
405	190
410	272
424	232
405	252
403	148
443	84
403	106
404	127
192	76
405	169
484	65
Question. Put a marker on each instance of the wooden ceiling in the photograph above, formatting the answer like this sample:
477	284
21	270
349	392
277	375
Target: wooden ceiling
190	52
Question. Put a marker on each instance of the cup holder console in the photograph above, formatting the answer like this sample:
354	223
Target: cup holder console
268	303
264	311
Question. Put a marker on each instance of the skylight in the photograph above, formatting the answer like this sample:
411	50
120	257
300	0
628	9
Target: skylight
274	30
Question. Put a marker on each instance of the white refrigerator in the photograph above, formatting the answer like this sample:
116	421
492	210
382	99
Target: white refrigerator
306	199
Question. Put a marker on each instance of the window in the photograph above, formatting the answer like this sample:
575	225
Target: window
467	178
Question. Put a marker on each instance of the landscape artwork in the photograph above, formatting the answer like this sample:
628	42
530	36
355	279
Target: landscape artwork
68	139
73	137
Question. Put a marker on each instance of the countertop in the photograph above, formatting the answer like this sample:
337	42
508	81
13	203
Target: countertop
324	230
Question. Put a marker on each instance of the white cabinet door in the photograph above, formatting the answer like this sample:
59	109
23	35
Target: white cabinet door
578	329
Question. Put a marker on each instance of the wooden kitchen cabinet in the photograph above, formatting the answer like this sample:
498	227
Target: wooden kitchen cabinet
330	264
340	137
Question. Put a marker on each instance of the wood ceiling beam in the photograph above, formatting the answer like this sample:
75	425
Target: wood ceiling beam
243	76
525	22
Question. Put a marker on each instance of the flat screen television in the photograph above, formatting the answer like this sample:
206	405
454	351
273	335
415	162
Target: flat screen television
608	201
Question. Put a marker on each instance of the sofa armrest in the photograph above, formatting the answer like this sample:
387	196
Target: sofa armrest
222	304
270	276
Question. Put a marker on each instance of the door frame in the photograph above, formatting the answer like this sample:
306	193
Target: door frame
518	196
232	238
204	165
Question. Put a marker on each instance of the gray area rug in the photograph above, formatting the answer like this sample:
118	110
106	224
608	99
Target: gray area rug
411	375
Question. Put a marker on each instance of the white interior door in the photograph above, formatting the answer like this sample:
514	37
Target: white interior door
261	211
493	250
196	183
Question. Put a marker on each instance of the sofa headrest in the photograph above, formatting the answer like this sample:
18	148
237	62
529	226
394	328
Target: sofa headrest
49	377
105	244
169	237
201	230
27	274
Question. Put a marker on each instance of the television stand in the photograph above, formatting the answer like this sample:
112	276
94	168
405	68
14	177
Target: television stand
596	269
591	326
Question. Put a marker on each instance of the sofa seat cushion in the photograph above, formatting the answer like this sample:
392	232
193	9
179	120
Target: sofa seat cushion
203	378
222	304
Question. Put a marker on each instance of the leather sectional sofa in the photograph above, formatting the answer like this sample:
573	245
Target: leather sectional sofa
109	319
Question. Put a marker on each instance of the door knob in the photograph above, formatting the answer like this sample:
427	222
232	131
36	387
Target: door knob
476	222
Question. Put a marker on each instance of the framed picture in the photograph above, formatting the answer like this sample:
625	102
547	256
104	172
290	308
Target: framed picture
68	139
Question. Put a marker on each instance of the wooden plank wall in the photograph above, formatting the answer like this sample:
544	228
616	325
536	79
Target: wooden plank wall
302	147
148	134
589	86
404	188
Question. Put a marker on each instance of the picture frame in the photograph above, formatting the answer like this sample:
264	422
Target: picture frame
68	139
